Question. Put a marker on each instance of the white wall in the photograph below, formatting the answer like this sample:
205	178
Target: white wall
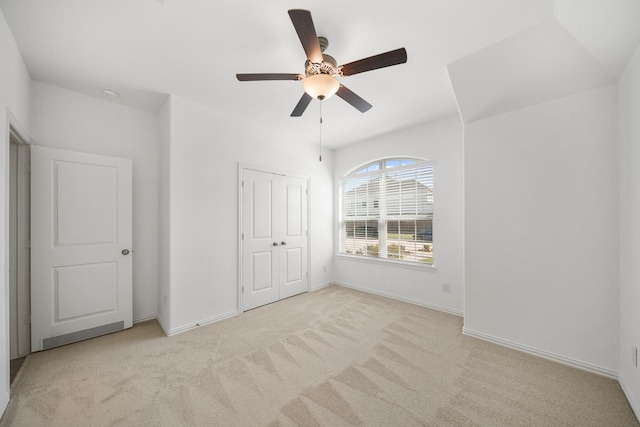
440	141
164	214
205	150
14	109
5	346
14	77
541	229
72	121
629	159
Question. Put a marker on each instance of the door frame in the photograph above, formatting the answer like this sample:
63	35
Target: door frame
11	125
265	169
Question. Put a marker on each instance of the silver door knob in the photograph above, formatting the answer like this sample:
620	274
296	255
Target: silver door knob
283	243
125	252
275	243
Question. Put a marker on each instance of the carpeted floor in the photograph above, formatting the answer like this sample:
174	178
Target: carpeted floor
14	367
329	358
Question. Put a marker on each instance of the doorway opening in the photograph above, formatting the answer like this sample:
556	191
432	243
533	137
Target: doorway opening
19	250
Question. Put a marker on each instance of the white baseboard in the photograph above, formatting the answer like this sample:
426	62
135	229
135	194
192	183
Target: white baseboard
144	318
164	329
320	286
4	401
403	299
634	401
542	353
202	322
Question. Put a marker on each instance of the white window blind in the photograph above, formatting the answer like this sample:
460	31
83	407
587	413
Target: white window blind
409	191
387	211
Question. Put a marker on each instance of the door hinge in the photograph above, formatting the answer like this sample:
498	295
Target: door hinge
242	236
243	289
307	274
242	183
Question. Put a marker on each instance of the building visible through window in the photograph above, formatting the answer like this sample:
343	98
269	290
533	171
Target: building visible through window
386	211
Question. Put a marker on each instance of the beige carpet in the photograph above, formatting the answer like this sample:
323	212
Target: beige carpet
329	358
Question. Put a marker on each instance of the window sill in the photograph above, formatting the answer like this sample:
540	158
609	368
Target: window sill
401	264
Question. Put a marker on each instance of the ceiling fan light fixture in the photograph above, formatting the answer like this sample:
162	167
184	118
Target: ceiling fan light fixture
319	80
320	86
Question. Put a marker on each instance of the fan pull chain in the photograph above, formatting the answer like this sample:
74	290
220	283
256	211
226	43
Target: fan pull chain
320	159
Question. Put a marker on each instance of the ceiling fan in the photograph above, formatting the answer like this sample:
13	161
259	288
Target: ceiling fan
319	80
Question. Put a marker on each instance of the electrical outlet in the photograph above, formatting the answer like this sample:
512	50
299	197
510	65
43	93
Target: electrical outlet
634	356
446	287
324	268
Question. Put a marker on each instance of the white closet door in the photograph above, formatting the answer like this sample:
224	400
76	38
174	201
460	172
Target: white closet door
293	251
274	237
81	236
260	245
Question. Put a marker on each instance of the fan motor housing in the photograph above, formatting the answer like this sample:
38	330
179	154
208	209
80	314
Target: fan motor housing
327	66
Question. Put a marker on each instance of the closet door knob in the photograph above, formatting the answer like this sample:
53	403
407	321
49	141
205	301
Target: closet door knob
275	243
283	243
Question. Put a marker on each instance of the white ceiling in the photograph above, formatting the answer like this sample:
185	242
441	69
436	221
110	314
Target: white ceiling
537	65
147	49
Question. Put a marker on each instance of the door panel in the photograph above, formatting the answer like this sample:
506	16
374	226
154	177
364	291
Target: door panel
294	265
262	272
274	245
294	260
294	209
262	208
259	256
86	198
84	290
81	281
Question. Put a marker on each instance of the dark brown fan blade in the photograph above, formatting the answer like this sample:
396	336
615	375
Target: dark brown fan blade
387	59
303	24
353	99
267	76
302	105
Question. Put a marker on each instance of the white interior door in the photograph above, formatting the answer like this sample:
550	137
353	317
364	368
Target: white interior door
293	251
274	237
260	244
81	236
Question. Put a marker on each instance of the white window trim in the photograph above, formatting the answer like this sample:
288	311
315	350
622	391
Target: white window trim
404	264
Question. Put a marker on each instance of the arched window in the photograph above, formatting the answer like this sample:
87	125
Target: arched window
386	211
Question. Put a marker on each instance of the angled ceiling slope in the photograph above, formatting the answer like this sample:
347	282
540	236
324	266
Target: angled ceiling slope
540	64
585	46
609	30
